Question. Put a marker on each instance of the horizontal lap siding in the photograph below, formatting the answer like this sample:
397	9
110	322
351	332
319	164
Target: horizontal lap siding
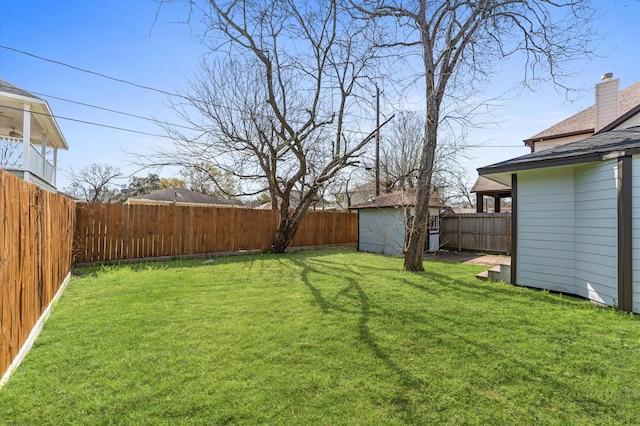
545	230
381	231
636	233
596	232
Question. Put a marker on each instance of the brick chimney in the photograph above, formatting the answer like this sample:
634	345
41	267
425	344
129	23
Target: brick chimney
607	101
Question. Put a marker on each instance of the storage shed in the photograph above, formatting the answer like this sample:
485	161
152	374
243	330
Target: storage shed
383	223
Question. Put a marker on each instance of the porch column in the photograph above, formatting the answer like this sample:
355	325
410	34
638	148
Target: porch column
55	165
479	202
43	151
496	204
26	137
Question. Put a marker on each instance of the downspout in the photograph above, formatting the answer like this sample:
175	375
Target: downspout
625	238
514	228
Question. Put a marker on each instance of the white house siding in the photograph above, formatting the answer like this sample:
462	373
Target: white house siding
630	122
636	234
550	143
596	232
381	230
545	250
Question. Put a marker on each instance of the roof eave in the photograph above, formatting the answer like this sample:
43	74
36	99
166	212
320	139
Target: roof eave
620	120
557	162
533	140
44	116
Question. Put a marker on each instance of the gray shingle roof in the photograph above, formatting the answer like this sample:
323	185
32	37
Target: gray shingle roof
181	195
393	199
595	148
584	121
488	186
7	87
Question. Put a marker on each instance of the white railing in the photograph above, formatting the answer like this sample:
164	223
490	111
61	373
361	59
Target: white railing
12	158
39	166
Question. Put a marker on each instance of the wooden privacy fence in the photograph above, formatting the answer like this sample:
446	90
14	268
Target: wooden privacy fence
488	232
107	232
36	236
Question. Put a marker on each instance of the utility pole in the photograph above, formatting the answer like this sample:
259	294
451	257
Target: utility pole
377	140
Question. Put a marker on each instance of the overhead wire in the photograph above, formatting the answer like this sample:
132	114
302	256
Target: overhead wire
119	80
89	122
109	110
141	86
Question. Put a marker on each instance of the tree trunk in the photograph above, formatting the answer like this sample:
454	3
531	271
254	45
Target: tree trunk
417	233
288	224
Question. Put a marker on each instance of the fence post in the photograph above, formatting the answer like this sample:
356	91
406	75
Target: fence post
508	226
459	233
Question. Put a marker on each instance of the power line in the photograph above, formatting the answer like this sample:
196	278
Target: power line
90	123
119	80
109	110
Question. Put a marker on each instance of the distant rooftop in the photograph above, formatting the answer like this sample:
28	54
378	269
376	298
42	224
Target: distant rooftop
393	199
182	195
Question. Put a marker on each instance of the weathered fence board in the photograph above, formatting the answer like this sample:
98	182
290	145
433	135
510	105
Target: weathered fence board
107	232
488	232
36	236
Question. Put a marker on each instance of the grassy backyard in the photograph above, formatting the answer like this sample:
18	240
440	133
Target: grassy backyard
322	337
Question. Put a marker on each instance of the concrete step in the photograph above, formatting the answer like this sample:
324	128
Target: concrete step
499	273
483	276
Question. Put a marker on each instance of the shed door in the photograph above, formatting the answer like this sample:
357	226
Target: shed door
432	242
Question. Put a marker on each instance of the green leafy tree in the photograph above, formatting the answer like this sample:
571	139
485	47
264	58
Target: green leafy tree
168	183
142	185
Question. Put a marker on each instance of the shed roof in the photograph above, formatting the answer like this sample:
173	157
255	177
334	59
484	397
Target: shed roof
393	199
584	121
599	147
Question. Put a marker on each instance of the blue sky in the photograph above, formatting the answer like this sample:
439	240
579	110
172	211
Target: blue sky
123	39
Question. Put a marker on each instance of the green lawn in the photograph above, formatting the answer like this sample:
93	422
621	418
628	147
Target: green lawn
322	337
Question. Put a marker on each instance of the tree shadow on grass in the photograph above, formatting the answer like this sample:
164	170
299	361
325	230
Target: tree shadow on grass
365	310
443	326
239	259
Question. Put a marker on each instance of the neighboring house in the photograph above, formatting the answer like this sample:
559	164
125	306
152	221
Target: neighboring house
296	197
576	214
182	197
383	222
360	194
613	109
25	117
487	188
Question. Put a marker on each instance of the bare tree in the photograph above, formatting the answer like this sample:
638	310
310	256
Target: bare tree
10	155
275	111
457	40
206	179
94	183
400	152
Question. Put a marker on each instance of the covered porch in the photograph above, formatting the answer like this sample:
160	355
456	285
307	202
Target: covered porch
29	137
484	187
